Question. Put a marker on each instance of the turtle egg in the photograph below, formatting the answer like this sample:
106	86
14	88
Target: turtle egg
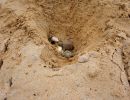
55	39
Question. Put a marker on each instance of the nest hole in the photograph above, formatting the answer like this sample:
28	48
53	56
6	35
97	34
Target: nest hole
78	21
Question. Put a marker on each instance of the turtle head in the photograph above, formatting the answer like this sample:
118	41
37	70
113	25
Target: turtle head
60	43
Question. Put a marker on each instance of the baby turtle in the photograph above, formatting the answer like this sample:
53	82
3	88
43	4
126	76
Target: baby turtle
66	45
67	54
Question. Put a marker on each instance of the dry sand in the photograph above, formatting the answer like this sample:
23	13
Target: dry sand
32	69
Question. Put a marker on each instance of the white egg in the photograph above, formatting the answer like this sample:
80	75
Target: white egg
55	39
59	49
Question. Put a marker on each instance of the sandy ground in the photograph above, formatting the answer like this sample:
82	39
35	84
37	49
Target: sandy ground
32	69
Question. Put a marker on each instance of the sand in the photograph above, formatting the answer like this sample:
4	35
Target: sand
32	69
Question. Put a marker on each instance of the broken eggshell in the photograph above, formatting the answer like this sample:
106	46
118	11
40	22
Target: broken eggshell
83	58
